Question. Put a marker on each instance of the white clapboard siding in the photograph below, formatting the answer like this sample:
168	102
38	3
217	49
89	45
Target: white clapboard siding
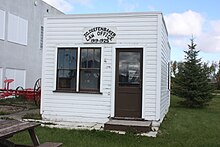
165	59
133	29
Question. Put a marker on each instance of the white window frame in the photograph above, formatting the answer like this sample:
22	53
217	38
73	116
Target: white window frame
79	46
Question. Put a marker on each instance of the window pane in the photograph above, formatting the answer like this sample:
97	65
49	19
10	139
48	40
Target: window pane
129	68
84	58
89	79
67	79
97	57
73	59
90	69
90	58
60	58
66	68
67	59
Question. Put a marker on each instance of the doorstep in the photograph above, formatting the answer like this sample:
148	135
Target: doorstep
136	126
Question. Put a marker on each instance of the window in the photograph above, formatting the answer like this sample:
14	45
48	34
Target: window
17	29
66	69
89	69
2	24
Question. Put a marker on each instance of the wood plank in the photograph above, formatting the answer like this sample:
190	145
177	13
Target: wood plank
14	127
34	137
7	123
11	126
129	122
128	125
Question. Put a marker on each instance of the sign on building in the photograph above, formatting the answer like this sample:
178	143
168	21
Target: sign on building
100	35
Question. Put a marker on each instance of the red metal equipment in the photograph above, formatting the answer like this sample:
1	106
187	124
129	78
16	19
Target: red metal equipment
29	93
6	91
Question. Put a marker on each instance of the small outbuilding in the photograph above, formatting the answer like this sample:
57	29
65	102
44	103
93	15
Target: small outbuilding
98	67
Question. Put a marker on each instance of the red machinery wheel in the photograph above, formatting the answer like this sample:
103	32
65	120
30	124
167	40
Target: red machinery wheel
37	92
19	91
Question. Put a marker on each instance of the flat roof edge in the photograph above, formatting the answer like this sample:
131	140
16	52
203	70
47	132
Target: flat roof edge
105	14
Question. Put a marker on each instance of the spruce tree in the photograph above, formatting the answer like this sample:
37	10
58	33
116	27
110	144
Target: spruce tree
191	81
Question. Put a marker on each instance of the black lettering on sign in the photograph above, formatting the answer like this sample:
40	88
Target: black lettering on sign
89	37
99	35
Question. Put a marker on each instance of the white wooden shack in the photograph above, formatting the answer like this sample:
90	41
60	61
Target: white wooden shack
98	67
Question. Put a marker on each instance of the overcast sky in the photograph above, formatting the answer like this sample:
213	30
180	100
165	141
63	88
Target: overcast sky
183	18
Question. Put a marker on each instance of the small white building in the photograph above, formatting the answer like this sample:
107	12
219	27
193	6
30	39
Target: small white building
102	66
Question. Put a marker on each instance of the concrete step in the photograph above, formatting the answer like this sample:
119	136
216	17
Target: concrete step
136	126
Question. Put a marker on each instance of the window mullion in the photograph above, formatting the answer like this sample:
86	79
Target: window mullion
77	71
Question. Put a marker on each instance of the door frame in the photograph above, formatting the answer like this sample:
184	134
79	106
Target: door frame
114	74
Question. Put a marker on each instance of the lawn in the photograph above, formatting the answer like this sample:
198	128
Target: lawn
181	127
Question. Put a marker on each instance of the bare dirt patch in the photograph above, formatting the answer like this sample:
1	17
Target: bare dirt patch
15	105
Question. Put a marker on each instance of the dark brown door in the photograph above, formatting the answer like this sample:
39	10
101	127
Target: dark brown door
128	84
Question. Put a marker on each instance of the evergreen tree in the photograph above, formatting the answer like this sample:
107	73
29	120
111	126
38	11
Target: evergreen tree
191	81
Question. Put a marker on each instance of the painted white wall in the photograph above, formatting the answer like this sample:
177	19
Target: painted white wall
165	59
1	77
18	75
133	29
17	29
2	24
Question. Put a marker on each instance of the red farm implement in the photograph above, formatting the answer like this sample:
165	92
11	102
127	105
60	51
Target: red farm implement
29	93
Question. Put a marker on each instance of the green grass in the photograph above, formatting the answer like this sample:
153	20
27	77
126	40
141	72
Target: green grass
181	127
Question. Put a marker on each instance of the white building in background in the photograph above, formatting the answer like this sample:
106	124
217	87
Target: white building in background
21	40
101	66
